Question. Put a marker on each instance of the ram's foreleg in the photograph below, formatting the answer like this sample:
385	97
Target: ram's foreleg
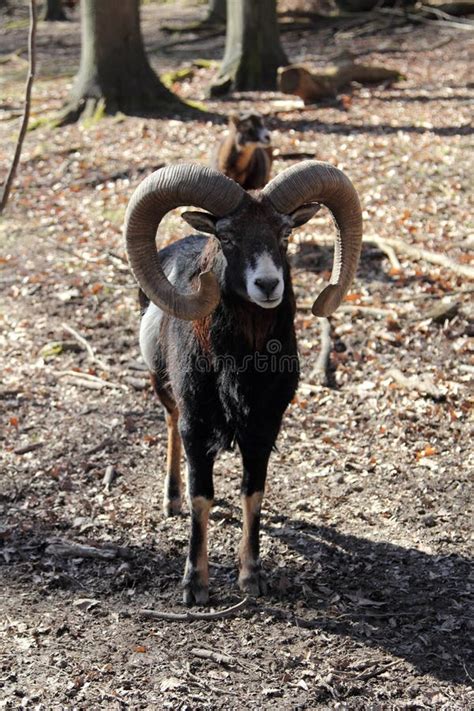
201	497
255	463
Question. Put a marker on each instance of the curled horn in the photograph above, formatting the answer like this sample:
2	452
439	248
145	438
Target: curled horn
312	181
165	189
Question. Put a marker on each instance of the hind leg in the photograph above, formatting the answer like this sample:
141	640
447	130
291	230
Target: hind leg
172	488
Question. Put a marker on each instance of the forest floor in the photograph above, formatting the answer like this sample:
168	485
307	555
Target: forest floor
366	524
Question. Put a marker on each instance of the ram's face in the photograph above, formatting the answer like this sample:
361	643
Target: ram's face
251	130
254	243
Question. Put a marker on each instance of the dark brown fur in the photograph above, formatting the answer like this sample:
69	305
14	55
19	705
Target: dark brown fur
240	157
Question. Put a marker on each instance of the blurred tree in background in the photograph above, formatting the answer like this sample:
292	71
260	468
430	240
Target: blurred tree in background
114	73
217	12
253	50
53	10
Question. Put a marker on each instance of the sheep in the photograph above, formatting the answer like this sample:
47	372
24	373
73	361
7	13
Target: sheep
245	154
217	333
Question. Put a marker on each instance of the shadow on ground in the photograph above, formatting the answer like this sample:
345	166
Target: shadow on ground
407	602
401	600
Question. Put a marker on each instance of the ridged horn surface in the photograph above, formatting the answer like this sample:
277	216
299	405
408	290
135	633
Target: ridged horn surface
313	181
184	184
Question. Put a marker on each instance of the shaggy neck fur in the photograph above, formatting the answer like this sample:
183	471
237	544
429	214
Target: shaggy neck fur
250	323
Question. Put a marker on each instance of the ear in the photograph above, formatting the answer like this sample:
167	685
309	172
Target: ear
234	119
304	213
201	221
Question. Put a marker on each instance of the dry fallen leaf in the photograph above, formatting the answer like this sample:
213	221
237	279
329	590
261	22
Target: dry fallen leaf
428	451
170	683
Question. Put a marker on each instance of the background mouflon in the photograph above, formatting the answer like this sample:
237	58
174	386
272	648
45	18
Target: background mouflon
245	153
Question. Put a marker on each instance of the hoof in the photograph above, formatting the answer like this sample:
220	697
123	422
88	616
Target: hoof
172	507
253	583
195	591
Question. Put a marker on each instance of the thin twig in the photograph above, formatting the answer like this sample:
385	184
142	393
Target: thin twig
422	384
109	476
82	341
87	377
209	687
102	445
441	23
26	112
188	615
28	448
369	310
421	297
387	249
320	372
309	387
423	254
217	657
365	676
78	550
430	9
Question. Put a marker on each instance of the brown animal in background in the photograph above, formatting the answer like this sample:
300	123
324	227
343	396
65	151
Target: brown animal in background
245	154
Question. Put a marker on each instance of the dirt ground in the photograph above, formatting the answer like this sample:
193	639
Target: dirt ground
367	521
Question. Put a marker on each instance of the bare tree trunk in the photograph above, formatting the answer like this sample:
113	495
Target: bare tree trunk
114	73
26	112
253	49
217	12
53	11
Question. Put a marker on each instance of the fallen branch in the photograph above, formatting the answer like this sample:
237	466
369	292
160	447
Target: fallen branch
386	249
192	40
188	615
309	387
421	297
82	341
422	254
443	311
206	686
28	448
102	445
212	656
293	156
26	113
451	9
443	15
320	372
313	86
369	310
78	550
419	17
365	676
109	477
420	383
93	380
